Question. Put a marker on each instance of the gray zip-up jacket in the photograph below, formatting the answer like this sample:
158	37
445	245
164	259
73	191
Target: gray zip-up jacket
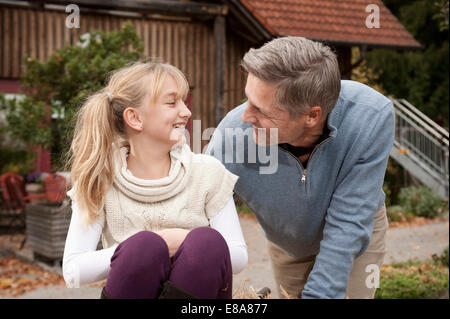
327	208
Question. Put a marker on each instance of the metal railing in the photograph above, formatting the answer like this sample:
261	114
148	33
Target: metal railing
421	146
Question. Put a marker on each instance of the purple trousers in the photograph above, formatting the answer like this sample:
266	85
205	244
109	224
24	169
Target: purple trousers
201	266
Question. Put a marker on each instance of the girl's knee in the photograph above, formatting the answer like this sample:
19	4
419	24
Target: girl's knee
208	242
142	246
206	236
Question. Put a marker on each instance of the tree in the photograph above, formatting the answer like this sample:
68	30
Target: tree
59	86
421	77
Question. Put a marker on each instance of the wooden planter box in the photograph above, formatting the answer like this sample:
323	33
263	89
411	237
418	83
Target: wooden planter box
47	226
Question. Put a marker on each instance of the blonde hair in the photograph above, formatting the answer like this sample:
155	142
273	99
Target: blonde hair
100	129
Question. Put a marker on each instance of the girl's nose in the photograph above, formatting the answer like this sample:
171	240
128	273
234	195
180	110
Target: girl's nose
185	112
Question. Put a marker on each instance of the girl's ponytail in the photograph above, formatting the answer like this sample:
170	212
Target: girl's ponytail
92	154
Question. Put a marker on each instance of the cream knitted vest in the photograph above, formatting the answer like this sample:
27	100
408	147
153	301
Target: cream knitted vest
197	188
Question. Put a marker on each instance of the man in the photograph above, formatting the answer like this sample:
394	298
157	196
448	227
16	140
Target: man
322	208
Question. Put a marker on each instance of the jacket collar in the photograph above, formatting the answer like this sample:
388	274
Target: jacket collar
334	118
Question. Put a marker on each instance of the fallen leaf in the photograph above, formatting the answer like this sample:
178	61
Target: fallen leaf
5	283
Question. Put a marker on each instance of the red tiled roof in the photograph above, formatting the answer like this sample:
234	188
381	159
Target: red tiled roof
335	21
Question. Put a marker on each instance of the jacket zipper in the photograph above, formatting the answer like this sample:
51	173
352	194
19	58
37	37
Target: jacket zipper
304	170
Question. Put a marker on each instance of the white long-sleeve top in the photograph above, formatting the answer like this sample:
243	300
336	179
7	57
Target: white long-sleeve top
83	264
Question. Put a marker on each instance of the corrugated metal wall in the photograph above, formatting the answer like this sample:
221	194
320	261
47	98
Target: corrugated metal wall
187	45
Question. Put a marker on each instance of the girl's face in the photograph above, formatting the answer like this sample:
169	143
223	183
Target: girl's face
165	121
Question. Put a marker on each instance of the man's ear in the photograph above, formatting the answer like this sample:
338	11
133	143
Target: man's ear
132	118
314	116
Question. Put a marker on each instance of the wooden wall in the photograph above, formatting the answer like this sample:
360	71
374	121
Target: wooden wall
189	45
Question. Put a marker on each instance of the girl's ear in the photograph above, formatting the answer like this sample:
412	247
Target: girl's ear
132	117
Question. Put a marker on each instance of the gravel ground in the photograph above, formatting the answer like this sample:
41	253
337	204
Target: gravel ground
419	242
403	243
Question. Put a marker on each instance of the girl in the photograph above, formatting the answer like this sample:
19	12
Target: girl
166	216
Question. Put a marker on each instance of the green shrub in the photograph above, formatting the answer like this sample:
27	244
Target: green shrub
396	214
16	161
413	280
442	259
387	192
420	201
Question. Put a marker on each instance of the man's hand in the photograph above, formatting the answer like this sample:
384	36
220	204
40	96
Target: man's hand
174	237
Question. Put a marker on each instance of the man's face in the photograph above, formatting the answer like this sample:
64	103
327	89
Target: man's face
262	113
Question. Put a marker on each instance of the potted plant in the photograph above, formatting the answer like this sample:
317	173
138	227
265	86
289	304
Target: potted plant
35	185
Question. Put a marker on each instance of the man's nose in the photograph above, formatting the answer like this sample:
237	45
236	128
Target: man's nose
248	116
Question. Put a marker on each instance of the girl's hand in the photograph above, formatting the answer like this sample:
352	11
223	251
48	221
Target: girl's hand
173	237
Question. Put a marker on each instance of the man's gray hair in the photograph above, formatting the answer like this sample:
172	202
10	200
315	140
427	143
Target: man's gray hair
306	73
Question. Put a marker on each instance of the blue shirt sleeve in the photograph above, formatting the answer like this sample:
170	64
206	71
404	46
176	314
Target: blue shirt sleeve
350	216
